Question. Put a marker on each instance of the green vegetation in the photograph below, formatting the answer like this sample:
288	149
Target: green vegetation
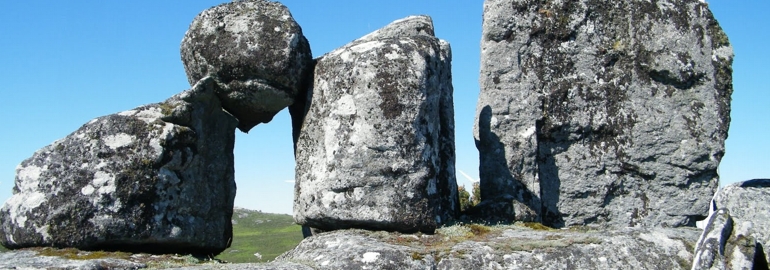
536	226
75	254
254	232
466	201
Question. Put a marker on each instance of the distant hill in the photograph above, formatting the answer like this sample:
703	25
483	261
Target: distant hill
268	234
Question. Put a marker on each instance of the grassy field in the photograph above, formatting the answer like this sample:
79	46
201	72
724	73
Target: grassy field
269	235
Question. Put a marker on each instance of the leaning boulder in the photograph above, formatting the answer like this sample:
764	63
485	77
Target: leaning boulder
602	113
158	178
376	147
257	53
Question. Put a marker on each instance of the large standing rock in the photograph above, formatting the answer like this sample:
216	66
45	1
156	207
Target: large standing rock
602	112
257	53
376	149
158	178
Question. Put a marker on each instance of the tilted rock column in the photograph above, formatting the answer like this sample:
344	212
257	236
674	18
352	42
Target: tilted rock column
376	149
602	112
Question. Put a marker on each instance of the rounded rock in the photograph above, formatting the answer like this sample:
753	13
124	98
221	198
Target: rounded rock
256	52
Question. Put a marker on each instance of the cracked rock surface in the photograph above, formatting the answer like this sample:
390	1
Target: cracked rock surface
603	113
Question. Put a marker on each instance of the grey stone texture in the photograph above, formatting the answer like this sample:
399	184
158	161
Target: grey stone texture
31	260
725	246
738	230
256	52
158	178
376	147
508	247
602	113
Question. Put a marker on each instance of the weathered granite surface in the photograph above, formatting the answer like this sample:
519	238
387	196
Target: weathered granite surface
723	246
505	247
31	260
738	229
256	52
376	148
158	178
608	113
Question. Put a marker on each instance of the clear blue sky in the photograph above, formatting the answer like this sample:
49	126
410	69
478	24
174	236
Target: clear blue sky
63	63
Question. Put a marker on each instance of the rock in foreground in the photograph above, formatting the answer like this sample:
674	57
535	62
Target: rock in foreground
376	150
257	53
608	113
738	232
503	247
29	260
158	178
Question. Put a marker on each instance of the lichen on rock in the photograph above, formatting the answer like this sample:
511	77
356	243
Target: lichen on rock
376	147
157	178
257	54
602	112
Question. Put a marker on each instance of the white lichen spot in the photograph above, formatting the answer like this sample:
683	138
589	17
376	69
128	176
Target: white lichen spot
493	121
175	231
43	231
100	165
393	56
118	140
87	190
155	142
366	46
333	244
236	25
27	177
277	29
102	178
370	257
345	105
127	113
528	133
20	204
149	114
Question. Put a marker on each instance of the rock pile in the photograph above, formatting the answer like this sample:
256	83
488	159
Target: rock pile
592	114
159	178
376	149
602	112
